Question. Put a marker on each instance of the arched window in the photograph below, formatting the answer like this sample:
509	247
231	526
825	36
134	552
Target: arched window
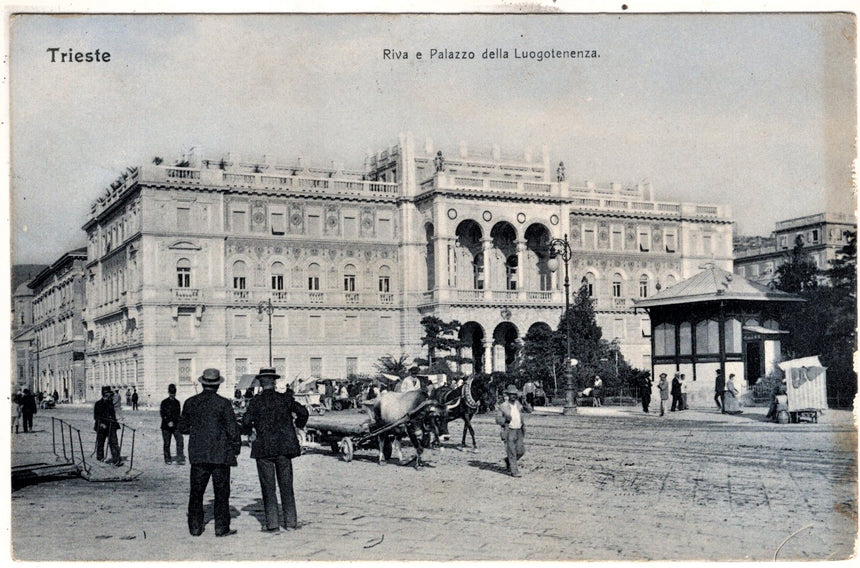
349	278
478	271
314	277
277	276
616	285
183	273
384	279
588	282
511	271
239	278
643	286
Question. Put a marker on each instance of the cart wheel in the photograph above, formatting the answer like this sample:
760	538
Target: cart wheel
346	449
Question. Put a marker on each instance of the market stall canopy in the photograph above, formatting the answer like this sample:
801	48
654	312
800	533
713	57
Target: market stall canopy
246	381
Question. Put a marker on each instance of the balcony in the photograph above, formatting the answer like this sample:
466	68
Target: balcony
351	298
186	296
387	298
241	296
280	296
316	297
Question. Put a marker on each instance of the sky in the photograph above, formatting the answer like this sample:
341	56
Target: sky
754	111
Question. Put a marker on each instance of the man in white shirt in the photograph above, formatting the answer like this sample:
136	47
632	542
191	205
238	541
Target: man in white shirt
410	383
510	418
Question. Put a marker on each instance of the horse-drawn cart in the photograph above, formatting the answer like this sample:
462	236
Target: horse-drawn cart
311	401
349	431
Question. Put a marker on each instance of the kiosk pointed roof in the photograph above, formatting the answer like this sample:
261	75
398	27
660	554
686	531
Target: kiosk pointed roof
712	284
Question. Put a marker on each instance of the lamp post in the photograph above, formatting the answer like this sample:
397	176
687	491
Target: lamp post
561	248
266	306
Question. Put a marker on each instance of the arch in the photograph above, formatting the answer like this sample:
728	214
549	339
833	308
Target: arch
617	281
430	256
506	344
240	276
183	273
589	280
349	278
472	333
384	278
502	248
277	271
467	247
644	283
314	275
540	325
534	272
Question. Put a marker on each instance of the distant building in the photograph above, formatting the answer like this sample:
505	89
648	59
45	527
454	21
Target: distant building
57	343
822	235
184	258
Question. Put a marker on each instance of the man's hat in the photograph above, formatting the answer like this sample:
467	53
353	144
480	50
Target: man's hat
267	374
663	375
512	389
106	390
211	378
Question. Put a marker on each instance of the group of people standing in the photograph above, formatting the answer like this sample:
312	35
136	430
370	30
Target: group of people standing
725	393
214	442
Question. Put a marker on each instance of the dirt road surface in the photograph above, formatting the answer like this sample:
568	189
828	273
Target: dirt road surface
608	484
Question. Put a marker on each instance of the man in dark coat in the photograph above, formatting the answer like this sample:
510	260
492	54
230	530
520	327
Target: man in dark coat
106	426
720	390
134	399
676	393
170	413
275	417
28	409
213	444
645	392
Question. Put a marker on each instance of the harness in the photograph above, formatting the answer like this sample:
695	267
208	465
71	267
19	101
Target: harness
465	396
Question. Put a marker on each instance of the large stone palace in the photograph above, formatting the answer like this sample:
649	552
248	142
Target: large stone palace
190	263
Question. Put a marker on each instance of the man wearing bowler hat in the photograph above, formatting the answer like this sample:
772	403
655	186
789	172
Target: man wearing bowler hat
213	444
106	426
510	418
274	417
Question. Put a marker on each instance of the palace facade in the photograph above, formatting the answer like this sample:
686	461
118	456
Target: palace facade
185	260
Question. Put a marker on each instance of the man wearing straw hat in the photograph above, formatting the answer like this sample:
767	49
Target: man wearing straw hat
275	417
213	444
510	418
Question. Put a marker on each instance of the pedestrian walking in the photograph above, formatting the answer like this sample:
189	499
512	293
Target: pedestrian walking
731	405
676	393
28	409
128	397
134	398
170	413
720	390
16	412
645	392
213	444
275	417
510	418
683	381
106	426
663	386
597	391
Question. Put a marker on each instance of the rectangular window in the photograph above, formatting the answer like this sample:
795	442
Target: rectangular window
314	224
316	367
814	236
351	366
644	240
239	221
313	283
277	281
618	328
280	365
240	325
616	289
617	238
384	284
589	241
685	333
315	327
783	242
384	231
279	326
350	226
183	218
240	367
645	327
707	245
349	283
278	224
183	277
183	371
671	242
239	283
664	340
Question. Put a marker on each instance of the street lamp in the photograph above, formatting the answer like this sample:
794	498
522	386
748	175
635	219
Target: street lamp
266	306
561	248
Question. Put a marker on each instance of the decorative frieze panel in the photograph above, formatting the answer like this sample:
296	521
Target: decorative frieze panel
259	216
332	220
367	222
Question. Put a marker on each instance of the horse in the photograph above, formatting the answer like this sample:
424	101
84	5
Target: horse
463	402
414	410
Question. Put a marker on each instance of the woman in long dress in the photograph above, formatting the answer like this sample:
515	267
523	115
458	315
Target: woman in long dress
731	405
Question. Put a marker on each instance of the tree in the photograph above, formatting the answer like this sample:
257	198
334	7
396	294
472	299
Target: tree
441	337
798	272
389	365
825	324
540	358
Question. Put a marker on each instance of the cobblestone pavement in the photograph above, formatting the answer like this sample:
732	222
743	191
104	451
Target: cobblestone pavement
607	484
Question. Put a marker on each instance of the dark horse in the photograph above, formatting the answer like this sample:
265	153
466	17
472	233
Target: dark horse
463	402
